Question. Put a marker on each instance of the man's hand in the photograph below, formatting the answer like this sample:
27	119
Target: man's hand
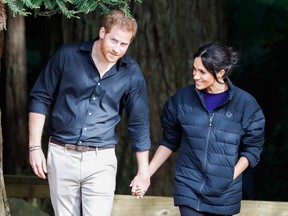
139	185
38	163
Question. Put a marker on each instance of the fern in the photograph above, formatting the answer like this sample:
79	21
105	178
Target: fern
16	7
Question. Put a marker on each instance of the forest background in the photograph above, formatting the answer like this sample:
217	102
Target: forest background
169	33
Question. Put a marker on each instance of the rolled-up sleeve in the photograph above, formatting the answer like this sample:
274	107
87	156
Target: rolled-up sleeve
137	109
45	86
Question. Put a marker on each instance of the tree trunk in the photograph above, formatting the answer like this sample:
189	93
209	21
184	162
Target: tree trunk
4	206
15	121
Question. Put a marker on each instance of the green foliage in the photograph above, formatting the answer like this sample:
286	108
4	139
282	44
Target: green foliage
69	8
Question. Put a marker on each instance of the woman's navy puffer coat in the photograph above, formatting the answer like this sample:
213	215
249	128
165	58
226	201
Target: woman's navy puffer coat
209	145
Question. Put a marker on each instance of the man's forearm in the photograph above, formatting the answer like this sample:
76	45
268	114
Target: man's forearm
143	162
36	125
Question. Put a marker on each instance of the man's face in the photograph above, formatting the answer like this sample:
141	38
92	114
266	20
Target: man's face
114	43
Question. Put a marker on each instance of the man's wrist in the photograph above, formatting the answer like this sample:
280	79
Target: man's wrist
34	148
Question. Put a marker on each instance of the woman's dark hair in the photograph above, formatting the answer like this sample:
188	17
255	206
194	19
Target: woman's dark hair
217	56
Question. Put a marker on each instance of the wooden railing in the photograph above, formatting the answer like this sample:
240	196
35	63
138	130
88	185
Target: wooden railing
124	205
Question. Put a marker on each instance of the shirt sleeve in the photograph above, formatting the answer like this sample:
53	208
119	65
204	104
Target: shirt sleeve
45	86
137	110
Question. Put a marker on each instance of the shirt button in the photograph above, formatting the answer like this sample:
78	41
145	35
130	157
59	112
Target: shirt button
89	113
85	128
98	83
79	142
94	98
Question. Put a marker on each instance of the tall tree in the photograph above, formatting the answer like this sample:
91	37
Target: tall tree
15	109
4	207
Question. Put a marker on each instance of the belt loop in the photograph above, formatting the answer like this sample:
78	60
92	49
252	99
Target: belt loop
97	149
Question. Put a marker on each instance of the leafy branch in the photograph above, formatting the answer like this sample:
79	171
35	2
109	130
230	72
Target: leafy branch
69	8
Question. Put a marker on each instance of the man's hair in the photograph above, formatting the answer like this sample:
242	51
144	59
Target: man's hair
121	19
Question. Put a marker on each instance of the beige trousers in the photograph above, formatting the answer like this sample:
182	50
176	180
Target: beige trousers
81	183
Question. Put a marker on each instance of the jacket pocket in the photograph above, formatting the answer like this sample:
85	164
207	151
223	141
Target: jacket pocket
216	185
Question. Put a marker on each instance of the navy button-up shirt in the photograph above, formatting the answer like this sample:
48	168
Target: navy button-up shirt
83	108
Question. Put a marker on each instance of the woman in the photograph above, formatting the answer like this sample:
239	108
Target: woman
218	130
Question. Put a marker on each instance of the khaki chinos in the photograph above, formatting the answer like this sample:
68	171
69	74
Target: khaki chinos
81	180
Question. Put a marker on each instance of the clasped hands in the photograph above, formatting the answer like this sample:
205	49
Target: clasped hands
139	185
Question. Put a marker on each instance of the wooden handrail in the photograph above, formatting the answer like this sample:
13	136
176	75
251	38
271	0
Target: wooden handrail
26	186
34	187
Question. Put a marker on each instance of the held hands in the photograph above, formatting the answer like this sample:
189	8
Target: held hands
38	161
139	185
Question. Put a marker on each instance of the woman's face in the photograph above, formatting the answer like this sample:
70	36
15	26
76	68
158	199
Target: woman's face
202	78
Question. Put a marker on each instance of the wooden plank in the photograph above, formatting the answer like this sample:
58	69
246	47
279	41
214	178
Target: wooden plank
26	186
27	191
19	179
156	206
34	187
147	206
263	208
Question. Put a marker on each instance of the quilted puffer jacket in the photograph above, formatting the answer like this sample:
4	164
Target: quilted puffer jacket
209	145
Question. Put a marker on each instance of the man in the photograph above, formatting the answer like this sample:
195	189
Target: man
84	88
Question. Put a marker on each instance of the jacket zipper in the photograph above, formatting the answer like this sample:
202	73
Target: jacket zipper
205	162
